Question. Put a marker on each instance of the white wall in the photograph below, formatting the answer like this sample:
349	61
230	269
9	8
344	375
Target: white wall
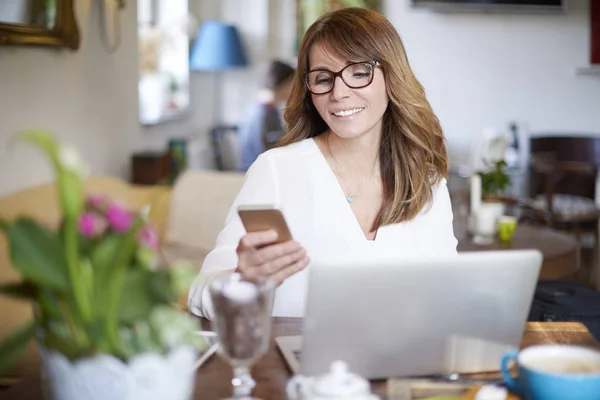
240	86
88	98
486	70
74	94
483	70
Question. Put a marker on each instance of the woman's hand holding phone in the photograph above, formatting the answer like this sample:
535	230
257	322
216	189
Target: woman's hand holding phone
261	255
268	250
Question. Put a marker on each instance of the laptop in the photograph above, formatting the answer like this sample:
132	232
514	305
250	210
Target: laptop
410	318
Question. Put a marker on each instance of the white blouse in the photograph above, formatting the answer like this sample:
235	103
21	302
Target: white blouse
299	180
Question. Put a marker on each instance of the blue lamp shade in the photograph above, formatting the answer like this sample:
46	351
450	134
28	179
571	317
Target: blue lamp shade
217	47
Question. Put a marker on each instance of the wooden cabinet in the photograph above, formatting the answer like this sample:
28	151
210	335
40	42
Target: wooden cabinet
150	168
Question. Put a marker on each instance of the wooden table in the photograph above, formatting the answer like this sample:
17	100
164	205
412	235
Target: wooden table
560	250
271	372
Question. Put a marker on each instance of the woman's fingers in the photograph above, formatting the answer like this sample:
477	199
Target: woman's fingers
255	240
276	264
290	270
270	259
274	252
260	256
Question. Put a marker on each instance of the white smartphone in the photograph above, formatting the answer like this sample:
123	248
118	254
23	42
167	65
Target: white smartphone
257	218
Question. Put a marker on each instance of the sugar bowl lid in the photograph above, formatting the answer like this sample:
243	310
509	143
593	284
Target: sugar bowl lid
340	382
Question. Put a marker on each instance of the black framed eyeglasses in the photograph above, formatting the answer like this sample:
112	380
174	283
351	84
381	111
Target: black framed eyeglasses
355	76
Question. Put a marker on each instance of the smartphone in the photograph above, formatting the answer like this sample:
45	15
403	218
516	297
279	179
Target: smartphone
264	217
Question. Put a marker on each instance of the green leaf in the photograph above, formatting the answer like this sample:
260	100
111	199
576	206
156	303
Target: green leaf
58	337
110	260
44	141
87	279
70	189
142	291
14	345
104	253
86	245
495	179
37	254
102	256
161	286
19	290
117	268
136	300
50	305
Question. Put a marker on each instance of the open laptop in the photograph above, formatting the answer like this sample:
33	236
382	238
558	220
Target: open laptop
415	318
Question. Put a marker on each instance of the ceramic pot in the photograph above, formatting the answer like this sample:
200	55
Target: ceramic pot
148	376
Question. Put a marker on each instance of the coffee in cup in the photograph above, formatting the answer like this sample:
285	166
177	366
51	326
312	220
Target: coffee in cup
554	372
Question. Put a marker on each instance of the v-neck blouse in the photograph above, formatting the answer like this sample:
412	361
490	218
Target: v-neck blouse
298	180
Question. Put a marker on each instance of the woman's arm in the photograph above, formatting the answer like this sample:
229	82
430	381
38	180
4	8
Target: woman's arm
444	242
260	187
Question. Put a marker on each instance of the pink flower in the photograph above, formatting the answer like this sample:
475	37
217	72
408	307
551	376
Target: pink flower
118	218
90	225
147	236
96	201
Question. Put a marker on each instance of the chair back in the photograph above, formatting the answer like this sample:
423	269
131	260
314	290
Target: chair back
226	148
200	201
563	150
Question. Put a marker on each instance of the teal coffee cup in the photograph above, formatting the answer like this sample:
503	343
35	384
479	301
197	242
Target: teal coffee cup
554	372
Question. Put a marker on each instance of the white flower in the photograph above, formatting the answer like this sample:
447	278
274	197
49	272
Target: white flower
496	149
70	159
488	148
174	328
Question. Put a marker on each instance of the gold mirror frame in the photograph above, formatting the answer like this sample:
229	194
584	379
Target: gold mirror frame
64	34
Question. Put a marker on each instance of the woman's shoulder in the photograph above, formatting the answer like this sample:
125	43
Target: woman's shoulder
303	148
439	188
439	193
439	183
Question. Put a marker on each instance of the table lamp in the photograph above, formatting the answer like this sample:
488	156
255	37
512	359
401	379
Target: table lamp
217	47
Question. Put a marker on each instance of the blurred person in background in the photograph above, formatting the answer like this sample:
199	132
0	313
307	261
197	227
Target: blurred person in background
264	123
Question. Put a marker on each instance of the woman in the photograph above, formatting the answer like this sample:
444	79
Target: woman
263	127
361	171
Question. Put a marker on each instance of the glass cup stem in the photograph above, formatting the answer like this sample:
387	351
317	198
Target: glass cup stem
242	382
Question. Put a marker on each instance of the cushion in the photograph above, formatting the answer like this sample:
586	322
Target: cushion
199	203
566	205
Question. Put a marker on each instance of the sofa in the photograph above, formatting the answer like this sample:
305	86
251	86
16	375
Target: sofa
188	216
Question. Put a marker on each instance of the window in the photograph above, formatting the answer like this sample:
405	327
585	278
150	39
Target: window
163	46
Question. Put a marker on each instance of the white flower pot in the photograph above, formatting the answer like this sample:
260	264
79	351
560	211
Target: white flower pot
147	376
485	224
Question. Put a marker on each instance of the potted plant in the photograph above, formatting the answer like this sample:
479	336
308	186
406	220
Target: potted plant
103	315
494	182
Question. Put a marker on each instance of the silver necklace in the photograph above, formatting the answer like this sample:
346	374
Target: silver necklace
349	197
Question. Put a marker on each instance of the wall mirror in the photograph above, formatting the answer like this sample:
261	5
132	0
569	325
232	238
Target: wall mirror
38	22
164	72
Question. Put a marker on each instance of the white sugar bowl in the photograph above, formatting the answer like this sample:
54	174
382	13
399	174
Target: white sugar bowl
337	384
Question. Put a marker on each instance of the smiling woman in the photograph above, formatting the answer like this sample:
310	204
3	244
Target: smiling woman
359	173
38	22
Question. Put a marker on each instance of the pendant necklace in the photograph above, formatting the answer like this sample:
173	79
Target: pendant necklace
349	197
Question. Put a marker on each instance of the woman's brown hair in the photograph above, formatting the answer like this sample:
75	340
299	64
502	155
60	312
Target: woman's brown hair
412	152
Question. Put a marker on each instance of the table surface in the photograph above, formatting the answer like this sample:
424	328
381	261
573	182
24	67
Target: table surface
560	250
550	242
272	373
